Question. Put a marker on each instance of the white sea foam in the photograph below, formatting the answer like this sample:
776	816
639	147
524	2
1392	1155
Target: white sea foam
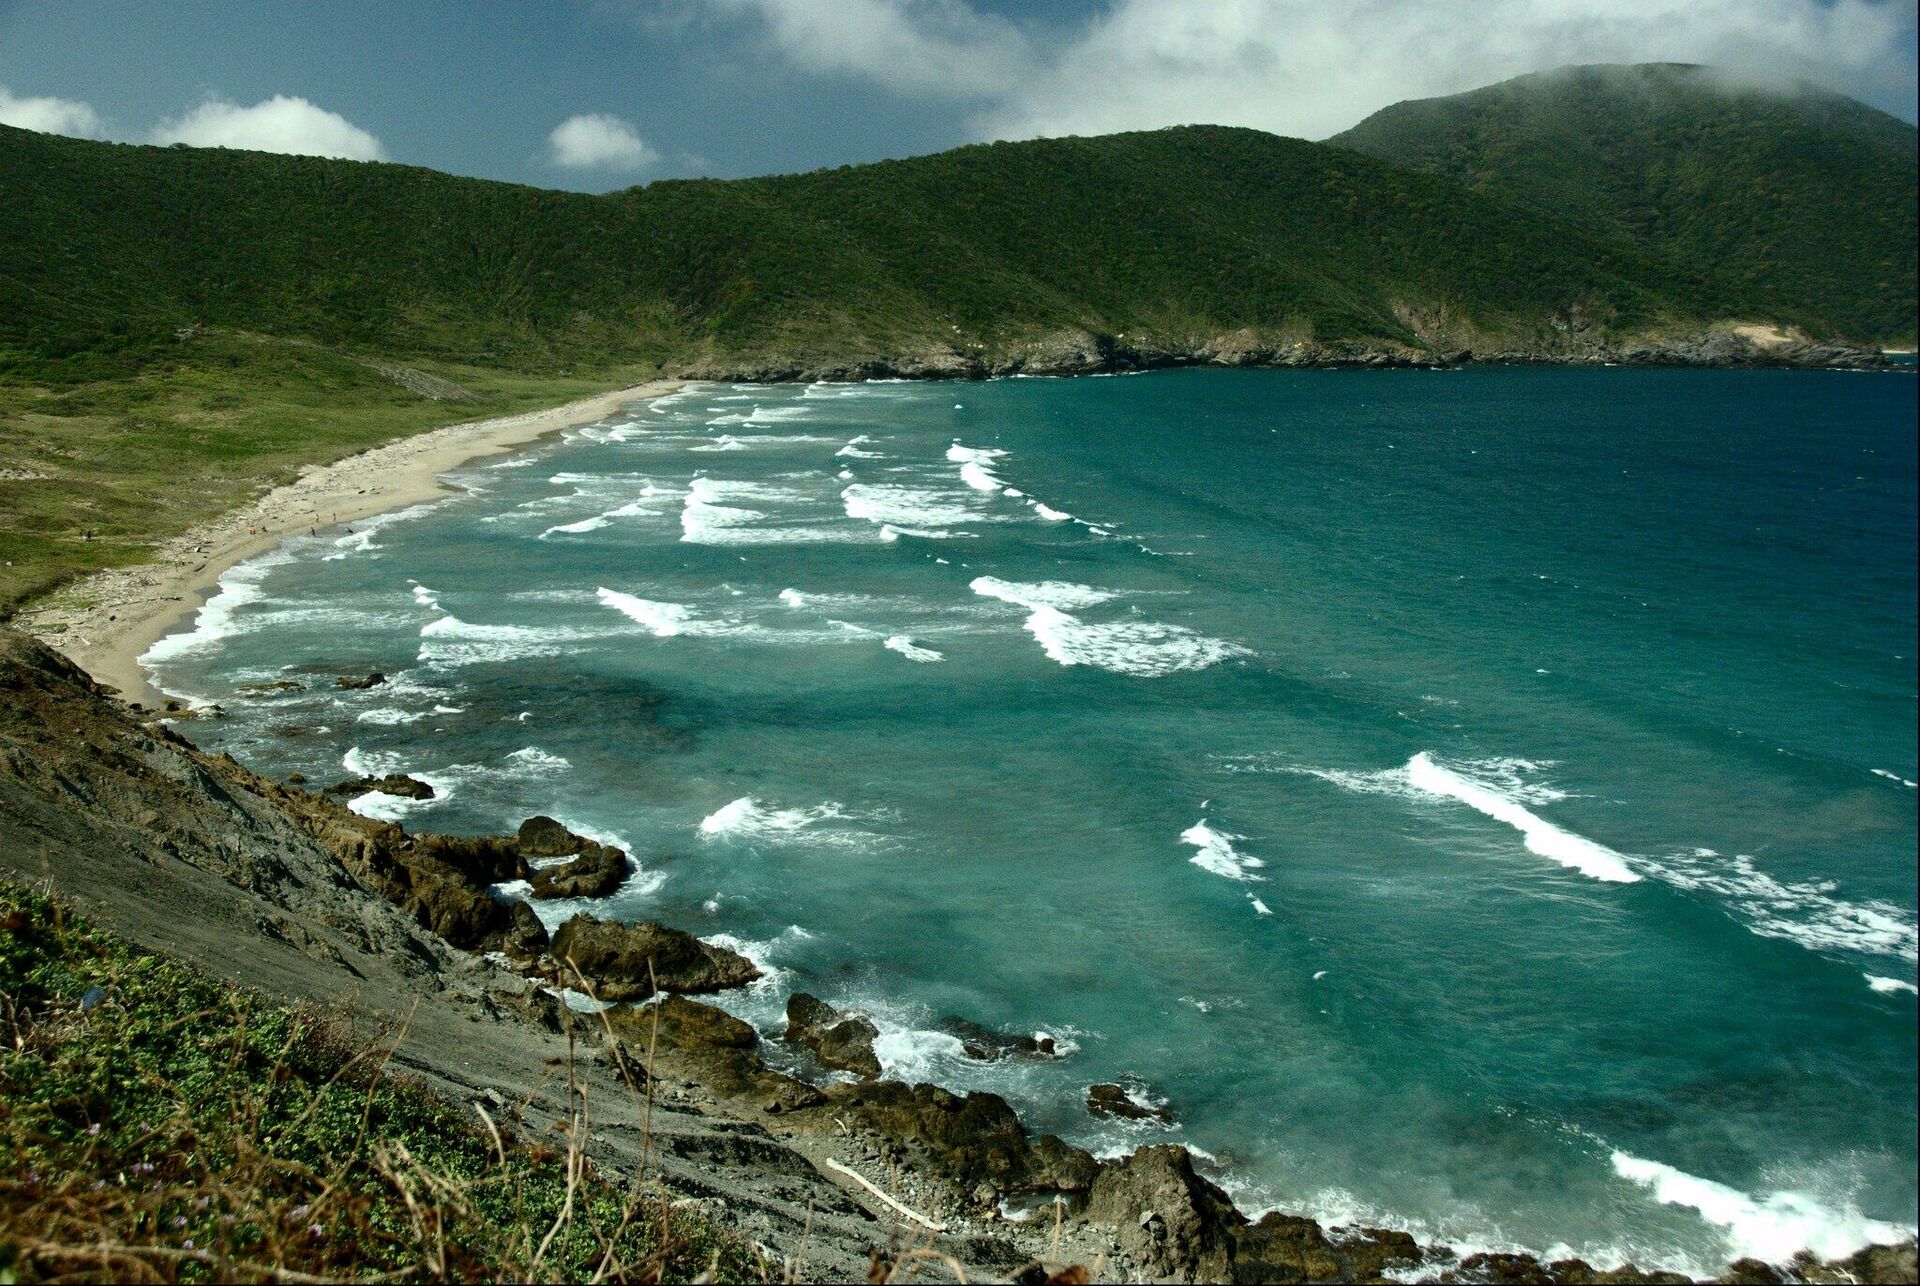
1774	1227
1259	907
905	646
218	616
977	477
1145	649
1050	513
853	450
708	519
914	511
748	818
451	641
1802	911
1890	986
1894	776
388	715
360	539
1064	595
1218	855
662	620
976	467
1541	836
1806	912
576	528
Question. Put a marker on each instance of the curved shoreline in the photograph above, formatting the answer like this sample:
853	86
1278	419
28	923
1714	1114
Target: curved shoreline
105	623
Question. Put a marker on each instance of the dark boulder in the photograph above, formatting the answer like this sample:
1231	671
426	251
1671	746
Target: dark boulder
976	1140
628	961
711	1047
597	871
1126	1101
987	1045
392	784
542	836
840	1041
1169	1219
373	680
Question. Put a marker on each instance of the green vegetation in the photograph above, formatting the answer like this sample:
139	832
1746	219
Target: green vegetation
93	471
179	326
161	1126
1793	204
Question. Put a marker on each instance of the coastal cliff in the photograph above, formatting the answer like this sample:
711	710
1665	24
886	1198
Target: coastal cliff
286	891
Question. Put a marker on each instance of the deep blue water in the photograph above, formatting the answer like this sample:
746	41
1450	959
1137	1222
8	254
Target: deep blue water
1481	801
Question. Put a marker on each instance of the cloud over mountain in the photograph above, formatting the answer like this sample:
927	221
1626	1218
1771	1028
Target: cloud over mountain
279	124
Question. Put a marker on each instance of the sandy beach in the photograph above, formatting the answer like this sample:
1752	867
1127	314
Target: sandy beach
126	610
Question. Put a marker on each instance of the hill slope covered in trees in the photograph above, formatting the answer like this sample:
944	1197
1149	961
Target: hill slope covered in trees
1791	201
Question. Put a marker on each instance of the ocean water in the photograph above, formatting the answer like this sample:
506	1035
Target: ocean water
1480	802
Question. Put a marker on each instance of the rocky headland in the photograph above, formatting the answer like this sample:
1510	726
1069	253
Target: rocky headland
833	1170
1433	340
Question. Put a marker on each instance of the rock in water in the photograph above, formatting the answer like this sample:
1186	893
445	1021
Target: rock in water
392	784
987	1045
373	680
1126	1102
615	959
596	872
838	1040
542	836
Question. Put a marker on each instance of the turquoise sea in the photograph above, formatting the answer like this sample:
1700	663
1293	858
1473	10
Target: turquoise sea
1480	802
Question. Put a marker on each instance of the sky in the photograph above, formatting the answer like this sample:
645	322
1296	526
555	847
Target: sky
599	94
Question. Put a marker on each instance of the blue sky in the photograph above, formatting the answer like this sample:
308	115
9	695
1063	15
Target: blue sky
595	94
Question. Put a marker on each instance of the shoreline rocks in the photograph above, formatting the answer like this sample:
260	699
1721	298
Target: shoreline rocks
632	961
1127	1100
840	1041
392	784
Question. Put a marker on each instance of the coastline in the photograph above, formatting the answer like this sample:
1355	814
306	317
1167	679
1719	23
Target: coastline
105	623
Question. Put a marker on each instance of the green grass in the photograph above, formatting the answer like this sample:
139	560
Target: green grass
94	472
159	1125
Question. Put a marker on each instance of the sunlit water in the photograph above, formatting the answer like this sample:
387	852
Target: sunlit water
1480	801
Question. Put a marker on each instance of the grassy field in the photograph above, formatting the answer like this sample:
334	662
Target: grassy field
160	1126
93	473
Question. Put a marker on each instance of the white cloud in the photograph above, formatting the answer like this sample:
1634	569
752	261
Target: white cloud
1304	67
278	124
49	115
594	141
909	45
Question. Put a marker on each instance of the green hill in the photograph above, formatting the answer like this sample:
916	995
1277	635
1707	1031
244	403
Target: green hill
1174	234
1793	202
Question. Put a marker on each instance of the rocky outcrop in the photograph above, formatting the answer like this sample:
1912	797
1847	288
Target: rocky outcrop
392	784
372	680
632	961
1127	1102
709	1047
975	1140
986	1045
1166	1217
596	869
843	1042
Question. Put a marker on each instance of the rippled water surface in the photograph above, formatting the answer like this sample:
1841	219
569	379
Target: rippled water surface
1482	801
